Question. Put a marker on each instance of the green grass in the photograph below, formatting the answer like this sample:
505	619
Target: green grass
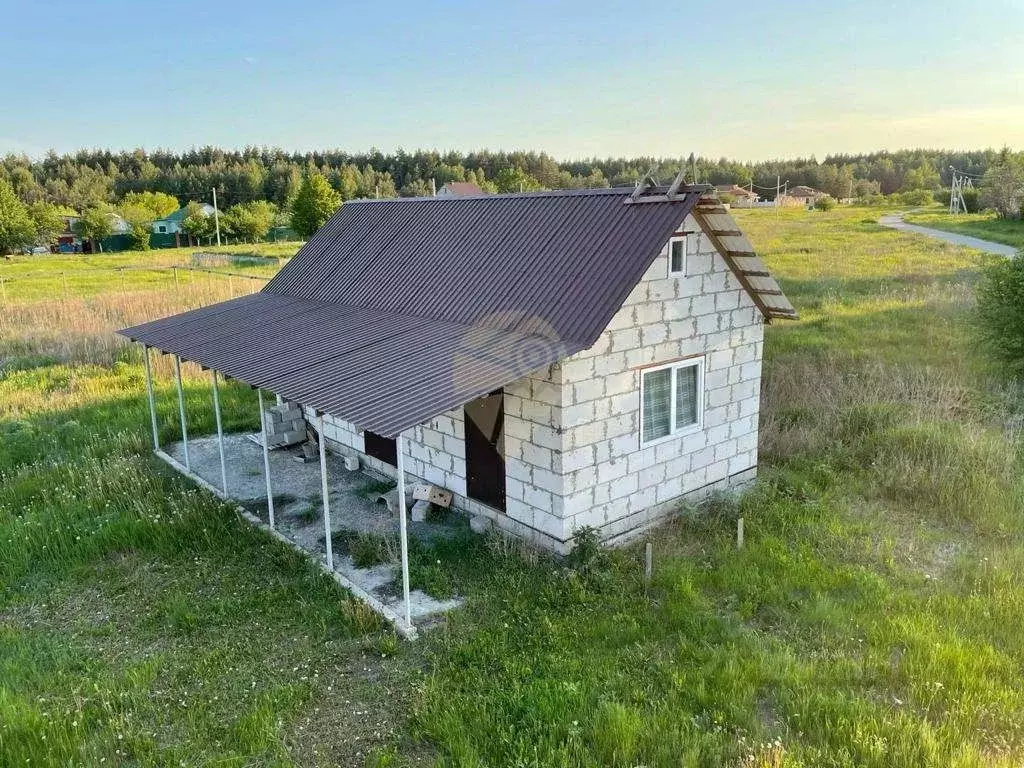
984	225
87	275
872	619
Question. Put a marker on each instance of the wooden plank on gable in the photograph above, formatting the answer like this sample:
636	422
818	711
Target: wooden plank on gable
739	254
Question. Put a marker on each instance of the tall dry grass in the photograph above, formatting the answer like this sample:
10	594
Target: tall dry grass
918	435
76	329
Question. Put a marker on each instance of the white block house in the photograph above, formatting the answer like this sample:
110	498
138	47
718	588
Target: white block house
598	439
557	360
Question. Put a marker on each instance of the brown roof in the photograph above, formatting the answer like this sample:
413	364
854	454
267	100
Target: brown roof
803	190
397	310
735	189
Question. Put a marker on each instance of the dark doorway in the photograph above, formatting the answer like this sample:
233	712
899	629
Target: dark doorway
383	448
485	449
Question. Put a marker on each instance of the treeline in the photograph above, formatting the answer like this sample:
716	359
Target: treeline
85	178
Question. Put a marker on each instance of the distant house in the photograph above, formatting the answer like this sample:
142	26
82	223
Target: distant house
801	195
69	242
460	189
737	192
171	224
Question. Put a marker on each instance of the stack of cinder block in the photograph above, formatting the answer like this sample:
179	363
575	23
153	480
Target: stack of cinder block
285	425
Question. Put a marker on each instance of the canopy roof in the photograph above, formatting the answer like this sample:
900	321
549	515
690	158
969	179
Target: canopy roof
398	310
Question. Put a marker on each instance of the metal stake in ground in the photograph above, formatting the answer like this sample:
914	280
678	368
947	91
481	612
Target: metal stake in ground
181	410
149	394
266	458
324	490
220	434
402	532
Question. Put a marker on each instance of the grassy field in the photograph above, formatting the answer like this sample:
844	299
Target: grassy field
983	225
873	619
66	307
87	275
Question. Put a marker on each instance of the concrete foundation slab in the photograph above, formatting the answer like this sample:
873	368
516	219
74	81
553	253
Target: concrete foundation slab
298	504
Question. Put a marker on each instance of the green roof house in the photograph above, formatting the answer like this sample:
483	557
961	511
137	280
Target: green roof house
171	224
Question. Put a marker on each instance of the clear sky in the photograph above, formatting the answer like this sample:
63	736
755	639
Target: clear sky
748	80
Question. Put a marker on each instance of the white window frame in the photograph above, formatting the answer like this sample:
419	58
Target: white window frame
674	431
685	240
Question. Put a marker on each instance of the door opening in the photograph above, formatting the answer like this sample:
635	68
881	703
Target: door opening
485	449
383	448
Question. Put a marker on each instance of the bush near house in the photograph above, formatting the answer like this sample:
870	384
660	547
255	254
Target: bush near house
1000	295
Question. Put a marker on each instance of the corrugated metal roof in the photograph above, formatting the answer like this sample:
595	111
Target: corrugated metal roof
385	371
508	261
397	310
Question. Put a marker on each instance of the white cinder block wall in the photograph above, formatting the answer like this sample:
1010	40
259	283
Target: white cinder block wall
435	452
609	481
572	431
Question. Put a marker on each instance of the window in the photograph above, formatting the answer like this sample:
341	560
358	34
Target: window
162	228
677	255
672	400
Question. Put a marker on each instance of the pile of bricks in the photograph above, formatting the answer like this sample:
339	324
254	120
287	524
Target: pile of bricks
285	425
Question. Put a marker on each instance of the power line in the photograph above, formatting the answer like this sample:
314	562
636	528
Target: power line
965	173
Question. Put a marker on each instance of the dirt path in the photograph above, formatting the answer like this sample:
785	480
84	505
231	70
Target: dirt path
895	221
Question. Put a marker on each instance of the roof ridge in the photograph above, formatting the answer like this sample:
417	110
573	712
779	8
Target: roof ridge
553	193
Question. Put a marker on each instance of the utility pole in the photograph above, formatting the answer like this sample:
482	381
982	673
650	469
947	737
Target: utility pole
778	186
956	191
433	187
216	215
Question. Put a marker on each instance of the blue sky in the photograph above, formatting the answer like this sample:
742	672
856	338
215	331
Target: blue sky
740	79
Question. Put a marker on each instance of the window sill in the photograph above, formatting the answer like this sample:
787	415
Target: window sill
683	432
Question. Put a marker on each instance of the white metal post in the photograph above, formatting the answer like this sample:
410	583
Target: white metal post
216	215
149	393
324	490
220	434
181	410
402	532
266	458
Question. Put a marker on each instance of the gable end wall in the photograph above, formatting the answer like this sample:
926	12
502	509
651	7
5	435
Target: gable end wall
610	482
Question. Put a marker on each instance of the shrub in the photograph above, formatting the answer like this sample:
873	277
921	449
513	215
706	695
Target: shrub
1000	310
913	197
139	237
825	203
1002	188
